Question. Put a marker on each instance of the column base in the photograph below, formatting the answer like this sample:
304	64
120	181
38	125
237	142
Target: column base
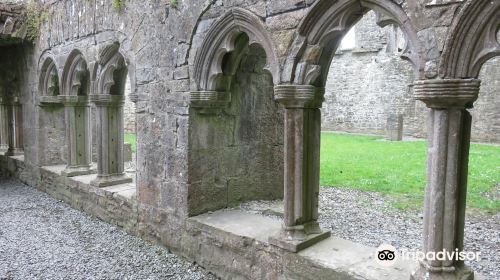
72	171
14	152
424	272
110	180
297	238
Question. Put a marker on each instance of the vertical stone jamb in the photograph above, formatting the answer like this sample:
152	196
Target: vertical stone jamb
447	166
4	125
15	122
109	118
78	130
302	147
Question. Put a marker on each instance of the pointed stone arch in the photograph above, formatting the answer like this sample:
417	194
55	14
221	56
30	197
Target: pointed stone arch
474	38
49	83
75	90
111	71
108	97
321	31
76	76
225	37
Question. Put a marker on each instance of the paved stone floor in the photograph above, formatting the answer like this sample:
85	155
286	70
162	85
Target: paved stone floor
42	238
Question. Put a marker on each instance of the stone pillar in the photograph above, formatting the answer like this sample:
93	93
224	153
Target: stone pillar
4	125
302	147
15	120
448	153
109	118
394	127
78	133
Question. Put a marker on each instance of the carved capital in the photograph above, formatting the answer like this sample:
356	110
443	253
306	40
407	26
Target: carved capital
74	100
47	100
209	99
106	100
447	93
299	96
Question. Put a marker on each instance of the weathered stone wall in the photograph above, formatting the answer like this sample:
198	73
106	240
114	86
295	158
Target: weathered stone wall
368	84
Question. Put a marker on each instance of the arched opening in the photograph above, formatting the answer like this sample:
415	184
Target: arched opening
129	129
372	164
75	92
322	31
236	151
108	99
52	136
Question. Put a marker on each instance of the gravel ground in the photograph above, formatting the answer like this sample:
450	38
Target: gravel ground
42	238
368	218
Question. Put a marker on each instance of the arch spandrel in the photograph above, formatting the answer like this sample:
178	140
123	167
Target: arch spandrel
473	39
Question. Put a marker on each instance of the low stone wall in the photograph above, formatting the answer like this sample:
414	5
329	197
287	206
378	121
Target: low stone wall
230	243
105	205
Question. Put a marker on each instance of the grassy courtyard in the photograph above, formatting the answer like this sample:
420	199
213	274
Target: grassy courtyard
369	163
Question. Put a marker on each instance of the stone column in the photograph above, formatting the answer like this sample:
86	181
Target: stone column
109	118
4	125
15	119
448	153
78	133
302	147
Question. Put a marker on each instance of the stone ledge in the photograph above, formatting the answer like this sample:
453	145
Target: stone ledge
332	258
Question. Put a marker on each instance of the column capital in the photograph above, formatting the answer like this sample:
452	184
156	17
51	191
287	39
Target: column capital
74	100
299	96
107	99
209	99
447	93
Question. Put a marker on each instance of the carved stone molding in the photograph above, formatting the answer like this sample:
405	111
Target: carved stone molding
447	93
299	96
321	31
472	41
49	79
111	61
221	40
209	99
75	78
74	100
107	99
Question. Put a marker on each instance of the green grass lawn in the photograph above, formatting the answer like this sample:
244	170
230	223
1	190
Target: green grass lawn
398	168
131	139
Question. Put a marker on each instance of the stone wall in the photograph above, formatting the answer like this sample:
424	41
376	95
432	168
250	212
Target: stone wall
368	84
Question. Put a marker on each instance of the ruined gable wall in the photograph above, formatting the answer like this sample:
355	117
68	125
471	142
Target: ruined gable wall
369	83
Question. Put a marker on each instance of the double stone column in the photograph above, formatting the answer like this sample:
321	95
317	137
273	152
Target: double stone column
448	152
302	148
12	126
109	119
4	125
78	135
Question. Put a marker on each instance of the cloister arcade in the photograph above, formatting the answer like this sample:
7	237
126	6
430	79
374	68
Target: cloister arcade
229	111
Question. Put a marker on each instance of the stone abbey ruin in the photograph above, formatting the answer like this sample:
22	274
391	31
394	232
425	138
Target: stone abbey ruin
226	96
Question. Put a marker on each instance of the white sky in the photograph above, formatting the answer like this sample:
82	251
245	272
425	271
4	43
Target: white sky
349	40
